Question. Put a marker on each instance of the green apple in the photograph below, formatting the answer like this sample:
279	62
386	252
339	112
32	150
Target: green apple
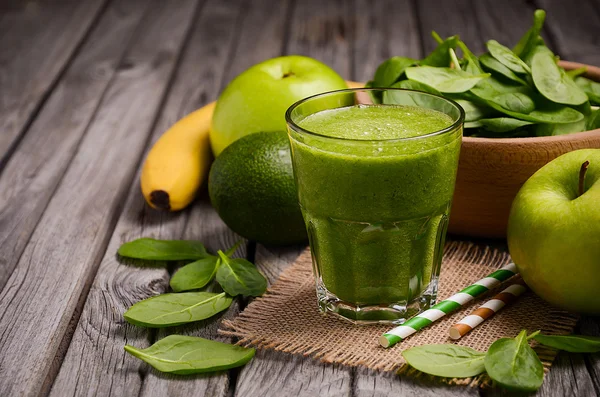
257	99
554	231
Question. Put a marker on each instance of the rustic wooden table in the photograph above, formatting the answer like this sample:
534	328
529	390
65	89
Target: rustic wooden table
87	86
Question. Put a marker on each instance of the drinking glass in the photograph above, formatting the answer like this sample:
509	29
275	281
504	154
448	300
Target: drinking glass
376	210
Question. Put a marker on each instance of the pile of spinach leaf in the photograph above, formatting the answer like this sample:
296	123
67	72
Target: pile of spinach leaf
179	354
505	93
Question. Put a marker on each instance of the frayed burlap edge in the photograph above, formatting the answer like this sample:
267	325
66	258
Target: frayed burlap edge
248	327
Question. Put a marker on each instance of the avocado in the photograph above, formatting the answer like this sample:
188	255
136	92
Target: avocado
251	186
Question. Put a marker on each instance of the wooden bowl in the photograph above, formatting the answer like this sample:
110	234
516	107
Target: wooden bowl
491	172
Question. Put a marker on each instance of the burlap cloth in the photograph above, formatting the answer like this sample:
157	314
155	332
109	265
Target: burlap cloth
286	318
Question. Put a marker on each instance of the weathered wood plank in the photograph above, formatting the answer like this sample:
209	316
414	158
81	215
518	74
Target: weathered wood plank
285	374
448	18
568	377
33	172
574	29
263	30
49	284
377	384
383	29
95	363
323	30
505	22
38	39
591	326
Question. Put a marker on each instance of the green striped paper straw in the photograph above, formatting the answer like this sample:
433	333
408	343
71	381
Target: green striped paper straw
438	311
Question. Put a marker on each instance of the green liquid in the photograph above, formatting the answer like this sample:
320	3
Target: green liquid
376	209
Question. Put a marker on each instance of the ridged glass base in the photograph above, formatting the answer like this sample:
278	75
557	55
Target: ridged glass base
393	313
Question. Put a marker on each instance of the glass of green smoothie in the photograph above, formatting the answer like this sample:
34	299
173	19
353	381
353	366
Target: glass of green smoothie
375	171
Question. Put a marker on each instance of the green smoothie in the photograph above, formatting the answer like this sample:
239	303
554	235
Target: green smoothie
375	203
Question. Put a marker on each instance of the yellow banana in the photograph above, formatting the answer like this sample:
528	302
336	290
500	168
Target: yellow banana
178	162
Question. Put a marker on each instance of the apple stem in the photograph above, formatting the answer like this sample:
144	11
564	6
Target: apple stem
288	74
582	171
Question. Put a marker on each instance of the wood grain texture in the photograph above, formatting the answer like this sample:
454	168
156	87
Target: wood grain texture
57	266
504	21
383	29
285	374
95	363
573	26
323	30
448	18
568	377
591	326
370	383
262	30
38	40
33	172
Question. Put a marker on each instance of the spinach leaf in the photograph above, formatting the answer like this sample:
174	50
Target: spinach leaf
415	85
576	72
531	38
233	248
551	115
440	56
591	88
391	71
446	360
515	102
493	65
240	277
593	121
185	355
512	97
513	364
502	124
195	275
491	88
163	250
454	59
472	124
552	81
472	64
570	343
438	39
174	309
559	129
444	79
506	57
473	111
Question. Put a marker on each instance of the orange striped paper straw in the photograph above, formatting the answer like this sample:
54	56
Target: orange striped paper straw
487	310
